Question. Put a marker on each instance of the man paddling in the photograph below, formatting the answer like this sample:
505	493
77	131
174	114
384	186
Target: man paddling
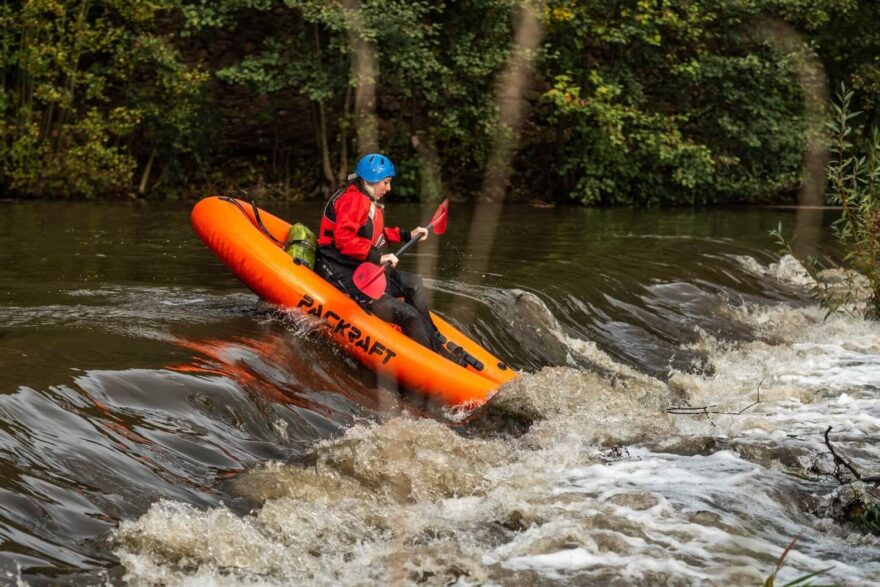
353	231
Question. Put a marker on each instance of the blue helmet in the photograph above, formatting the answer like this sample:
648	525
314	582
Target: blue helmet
374	168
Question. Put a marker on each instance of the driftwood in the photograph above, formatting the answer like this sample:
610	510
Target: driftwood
857	502
706	411
840	461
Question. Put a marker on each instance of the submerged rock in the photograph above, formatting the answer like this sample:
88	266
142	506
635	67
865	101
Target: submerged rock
856	503
616	409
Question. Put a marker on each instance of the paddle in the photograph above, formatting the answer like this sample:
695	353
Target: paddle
370	278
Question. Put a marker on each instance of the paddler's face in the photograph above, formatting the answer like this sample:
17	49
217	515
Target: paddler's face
382	188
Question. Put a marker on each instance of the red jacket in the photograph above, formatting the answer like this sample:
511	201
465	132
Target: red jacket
353	227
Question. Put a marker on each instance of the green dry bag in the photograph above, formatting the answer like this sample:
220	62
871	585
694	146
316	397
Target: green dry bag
301	245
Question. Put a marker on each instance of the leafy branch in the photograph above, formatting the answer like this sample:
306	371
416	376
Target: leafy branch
855	185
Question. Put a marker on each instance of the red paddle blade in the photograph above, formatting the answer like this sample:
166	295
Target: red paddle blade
438	222
370	279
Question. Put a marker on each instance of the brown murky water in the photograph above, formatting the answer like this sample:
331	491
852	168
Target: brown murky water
160	426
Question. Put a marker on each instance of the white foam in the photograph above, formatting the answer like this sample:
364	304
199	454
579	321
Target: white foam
788	269
409	501
686	517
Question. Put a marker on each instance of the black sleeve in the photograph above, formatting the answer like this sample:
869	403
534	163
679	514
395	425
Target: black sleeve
405	236
374	255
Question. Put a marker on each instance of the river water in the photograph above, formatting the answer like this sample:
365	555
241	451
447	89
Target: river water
158	425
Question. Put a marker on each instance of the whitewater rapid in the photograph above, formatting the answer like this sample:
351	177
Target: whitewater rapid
588	472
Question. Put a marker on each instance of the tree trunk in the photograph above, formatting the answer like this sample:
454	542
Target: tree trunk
70	82
325	147
365	69
326	166
343	138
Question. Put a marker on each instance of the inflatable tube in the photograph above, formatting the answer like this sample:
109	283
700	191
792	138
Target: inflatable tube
229	228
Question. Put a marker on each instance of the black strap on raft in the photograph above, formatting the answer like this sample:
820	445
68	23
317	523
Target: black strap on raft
259	222
460	352
300	241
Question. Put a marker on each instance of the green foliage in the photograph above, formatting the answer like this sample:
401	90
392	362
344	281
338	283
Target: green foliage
857	504
854	180
871	519
461	113
620	153
847	37
855	186
436	68
659	103
633	102
84	83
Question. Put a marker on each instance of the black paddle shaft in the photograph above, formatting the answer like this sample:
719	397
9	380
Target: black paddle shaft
412	241
404	248
362	282
387	264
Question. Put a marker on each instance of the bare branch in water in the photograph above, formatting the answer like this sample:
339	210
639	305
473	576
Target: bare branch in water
838	460
704	410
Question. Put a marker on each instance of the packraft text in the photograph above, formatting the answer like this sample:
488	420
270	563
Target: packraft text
344	329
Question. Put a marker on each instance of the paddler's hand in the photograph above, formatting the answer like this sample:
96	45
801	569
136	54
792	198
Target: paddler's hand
419	230
389	258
